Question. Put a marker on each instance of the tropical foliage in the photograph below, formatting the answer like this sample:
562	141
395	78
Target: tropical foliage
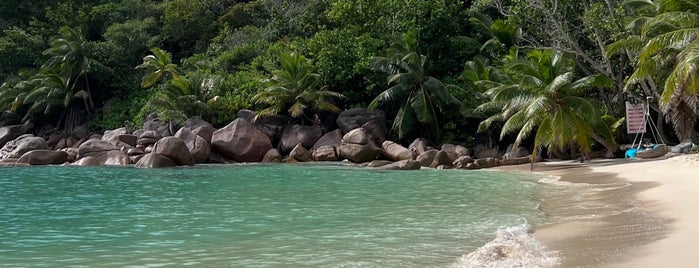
294	89
60	81
666	37
180	96
541	95
421	97
549	74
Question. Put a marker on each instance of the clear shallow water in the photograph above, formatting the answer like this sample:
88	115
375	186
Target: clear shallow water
256	215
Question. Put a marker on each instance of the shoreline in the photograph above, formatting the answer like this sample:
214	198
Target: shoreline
639	213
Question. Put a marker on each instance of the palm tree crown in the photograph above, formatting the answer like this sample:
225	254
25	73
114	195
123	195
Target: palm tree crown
421	96
540	95
294	89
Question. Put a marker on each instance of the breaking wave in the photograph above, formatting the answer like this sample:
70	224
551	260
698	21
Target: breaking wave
512	247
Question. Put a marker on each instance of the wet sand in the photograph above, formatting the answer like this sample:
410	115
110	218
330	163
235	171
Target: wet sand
629	212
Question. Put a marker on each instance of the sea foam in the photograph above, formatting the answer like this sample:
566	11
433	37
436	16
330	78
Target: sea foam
512	247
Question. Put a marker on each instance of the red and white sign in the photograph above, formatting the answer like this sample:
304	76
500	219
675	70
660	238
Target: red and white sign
635	118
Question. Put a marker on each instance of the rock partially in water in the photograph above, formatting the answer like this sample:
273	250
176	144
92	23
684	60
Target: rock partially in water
87	161
358	147
325	153
441	159
93	147
155	160
197	145
44	157
174	148
395	151
402	165
272	156
427	157
462	161
300	154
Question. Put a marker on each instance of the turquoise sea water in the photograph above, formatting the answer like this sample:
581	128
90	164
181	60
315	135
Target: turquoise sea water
256	215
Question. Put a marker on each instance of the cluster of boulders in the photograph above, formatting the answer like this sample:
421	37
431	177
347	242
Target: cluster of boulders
360	137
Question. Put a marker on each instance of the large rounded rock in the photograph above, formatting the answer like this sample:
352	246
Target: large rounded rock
351	119
111	136
22	144
333	138
441	159
272	126
164	128
298	134
94	147
148	137
246	114
401	165
455	151
80	132
155	160
103	153
197	145
241	142
377	130
200	127
395	151
174	148
325	153
44	157
427	157
87	161
300	154
462	161
54	139
272	156
9	133
71	153
358	147
419	146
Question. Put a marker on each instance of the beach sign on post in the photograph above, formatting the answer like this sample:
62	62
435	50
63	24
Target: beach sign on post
635	118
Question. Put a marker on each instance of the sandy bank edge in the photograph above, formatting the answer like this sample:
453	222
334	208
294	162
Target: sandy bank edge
668	188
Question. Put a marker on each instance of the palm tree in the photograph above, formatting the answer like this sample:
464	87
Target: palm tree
667	38
540	95
160	66
294	90
61	80
189	95
181	95
70	59
421	96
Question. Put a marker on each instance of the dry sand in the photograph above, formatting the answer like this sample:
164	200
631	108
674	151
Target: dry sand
650	217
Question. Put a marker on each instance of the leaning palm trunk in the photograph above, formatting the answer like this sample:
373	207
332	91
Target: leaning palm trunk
611	147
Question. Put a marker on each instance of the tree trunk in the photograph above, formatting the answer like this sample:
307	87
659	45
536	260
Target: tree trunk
611	147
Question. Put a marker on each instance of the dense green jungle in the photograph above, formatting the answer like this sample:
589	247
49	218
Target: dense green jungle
549	74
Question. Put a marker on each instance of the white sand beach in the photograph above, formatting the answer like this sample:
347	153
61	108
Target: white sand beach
668	190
